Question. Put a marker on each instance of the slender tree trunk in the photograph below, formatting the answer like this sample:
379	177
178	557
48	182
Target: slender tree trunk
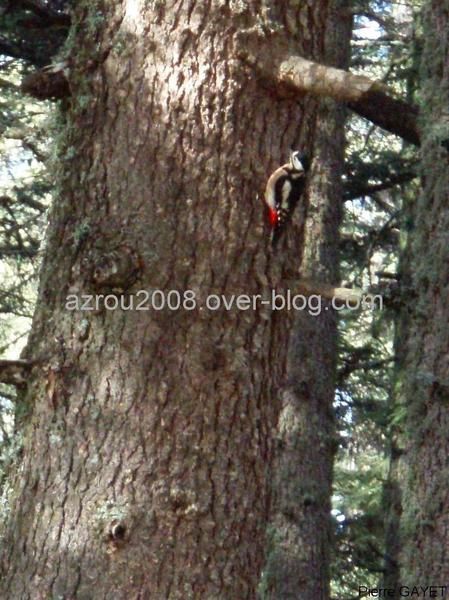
392	503
299	535
422	384
146	448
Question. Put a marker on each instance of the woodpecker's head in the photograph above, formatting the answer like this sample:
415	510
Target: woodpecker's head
299	161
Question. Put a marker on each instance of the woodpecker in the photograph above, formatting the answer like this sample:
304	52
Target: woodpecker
284	189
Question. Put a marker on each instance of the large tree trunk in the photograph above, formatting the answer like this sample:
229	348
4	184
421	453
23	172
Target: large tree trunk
147	444
422	341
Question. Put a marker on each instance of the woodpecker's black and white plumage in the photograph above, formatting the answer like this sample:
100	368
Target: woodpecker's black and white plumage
284	189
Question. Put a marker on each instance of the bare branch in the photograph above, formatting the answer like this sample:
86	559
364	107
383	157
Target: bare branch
395	116
368	98
308	288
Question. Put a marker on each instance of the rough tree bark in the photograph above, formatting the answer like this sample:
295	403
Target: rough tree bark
419	496
367	97
147	447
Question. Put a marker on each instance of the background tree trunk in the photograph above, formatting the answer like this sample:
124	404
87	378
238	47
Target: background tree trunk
299	533
147	445
423	335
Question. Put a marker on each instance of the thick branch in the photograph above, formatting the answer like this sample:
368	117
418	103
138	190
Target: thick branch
395	116
47	83
308	288
368	98
14	372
